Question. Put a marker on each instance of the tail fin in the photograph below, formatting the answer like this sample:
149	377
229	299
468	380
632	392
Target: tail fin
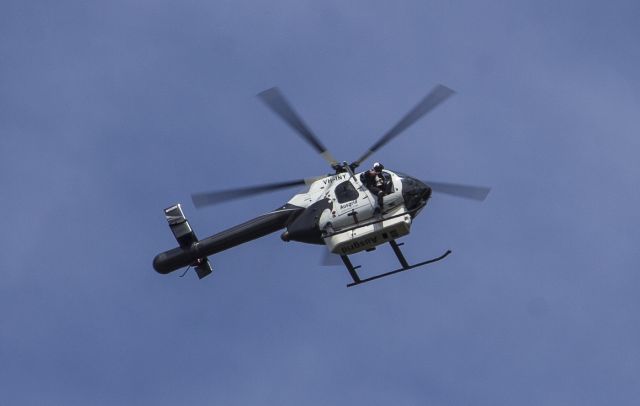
186	237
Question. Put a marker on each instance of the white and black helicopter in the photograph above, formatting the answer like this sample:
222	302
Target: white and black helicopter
339	210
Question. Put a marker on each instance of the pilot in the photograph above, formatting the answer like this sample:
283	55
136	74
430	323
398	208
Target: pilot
374	181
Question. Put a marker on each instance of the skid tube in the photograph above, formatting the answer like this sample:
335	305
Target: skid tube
399	255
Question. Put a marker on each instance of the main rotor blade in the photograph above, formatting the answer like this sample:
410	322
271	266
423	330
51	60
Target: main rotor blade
276	102
210	198
466	191
437	95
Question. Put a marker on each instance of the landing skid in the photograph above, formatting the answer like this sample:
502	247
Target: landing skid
401	258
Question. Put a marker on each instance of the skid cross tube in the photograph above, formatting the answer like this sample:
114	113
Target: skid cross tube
351	269
396	250
401	258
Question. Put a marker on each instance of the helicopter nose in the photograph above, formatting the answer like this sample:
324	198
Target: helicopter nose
414	192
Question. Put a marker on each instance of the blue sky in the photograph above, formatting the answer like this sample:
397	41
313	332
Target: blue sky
112	111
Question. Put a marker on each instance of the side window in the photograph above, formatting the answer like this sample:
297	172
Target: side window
345	192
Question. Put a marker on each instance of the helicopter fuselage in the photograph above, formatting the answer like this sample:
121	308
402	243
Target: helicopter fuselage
338	210
342	201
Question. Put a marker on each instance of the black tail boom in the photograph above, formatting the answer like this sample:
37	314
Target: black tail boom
195	252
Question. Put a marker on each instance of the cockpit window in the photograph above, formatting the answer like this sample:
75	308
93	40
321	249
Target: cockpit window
345	192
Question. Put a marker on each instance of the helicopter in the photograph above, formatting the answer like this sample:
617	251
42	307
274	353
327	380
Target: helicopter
341	210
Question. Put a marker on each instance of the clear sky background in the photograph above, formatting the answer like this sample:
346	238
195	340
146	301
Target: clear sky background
111	111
